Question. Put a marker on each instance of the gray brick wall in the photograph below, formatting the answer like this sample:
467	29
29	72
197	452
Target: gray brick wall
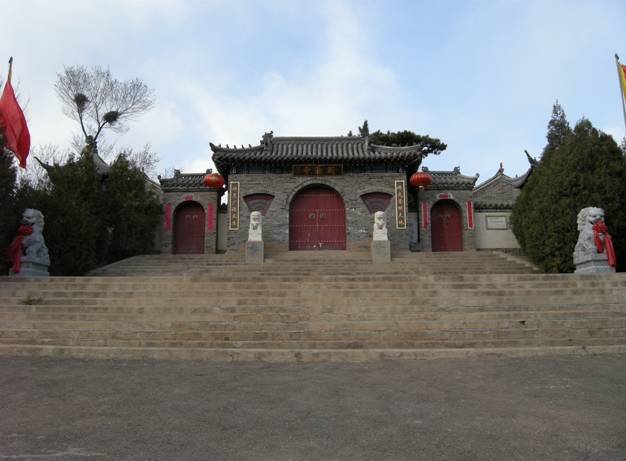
284	188
499	191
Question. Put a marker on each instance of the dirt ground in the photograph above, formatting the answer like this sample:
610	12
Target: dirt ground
558	408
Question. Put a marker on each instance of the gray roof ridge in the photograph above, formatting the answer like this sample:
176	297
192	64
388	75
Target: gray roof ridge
407	148
318	138
451	172
219	147
521	180
499	175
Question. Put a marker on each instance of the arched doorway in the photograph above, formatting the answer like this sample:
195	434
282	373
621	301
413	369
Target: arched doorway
317	220
447	230
189	228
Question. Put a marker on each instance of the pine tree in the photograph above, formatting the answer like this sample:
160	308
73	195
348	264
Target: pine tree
579	168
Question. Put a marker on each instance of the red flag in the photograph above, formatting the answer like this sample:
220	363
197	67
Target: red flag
13	124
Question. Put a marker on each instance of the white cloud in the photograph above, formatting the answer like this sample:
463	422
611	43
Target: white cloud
341	87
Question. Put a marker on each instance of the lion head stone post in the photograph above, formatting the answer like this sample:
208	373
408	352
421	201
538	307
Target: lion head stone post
28	252
381	248
594	251
254	245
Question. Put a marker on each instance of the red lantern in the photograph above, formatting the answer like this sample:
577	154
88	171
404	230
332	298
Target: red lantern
421	179
213	180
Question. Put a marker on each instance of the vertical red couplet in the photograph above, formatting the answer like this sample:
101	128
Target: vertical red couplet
167	225
425	215
470	214
210	221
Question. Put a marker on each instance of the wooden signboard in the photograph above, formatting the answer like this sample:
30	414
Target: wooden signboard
318	170
233	205
400	205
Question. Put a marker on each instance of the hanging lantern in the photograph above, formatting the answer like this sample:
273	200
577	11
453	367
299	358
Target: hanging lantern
421	179
213	180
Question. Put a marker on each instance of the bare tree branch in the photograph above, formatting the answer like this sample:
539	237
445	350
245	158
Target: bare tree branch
145	159
35	173
98	101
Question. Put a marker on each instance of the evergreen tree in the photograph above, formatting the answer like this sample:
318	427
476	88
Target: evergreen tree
9	218
130	212
93	219
558	128
579	168
408	138
402	138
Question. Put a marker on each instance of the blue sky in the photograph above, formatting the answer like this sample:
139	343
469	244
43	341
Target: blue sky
480	75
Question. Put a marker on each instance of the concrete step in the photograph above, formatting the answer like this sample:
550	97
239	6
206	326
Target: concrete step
327	340
336	304
312	262
466	277
259	295
103	313
303	355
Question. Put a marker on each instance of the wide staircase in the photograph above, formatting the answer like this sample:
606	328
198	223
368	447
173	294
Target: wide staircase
314	306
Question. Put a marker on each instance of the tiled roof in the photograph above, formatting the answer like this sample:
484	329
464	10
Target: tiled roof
516	182
504	205
342	149
451	179
521	180
183	181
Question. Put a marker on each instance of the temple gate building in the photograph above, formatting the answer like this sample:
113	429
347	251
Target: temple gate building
320	193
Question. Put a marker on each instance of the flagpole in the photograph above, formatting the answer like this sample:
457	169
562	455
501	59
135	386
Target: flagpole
621	87
11	69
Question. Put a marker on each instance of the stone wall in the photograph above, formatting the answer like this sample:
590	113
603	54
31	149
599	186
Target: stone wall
284	187
208	199
222	231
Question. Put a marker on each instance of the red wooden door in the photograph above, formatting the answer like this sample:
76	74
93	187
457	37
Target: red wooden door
447	230
317	220
189	229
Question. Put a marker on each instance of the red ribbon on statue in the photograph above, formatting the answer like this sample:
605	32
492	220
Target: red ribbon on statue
14	251
600	230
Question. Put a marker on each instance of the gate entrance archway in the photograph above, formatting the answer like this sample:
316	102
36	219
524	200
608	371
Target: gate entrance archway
189	228
317	220
447	228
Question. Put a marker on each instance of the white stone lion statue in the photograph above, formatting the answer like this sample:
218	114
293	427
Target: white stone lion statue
255	231
587	217
34	245
380	226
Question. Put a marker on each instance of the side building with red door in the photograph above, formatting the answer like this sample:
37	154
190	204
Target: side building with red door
190	214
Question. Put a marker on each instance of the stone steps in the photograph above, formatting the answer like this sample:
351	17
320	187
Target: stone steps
323	309
321	262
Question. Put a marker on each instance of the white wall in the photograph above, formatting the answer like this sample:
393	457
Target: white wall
494	237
